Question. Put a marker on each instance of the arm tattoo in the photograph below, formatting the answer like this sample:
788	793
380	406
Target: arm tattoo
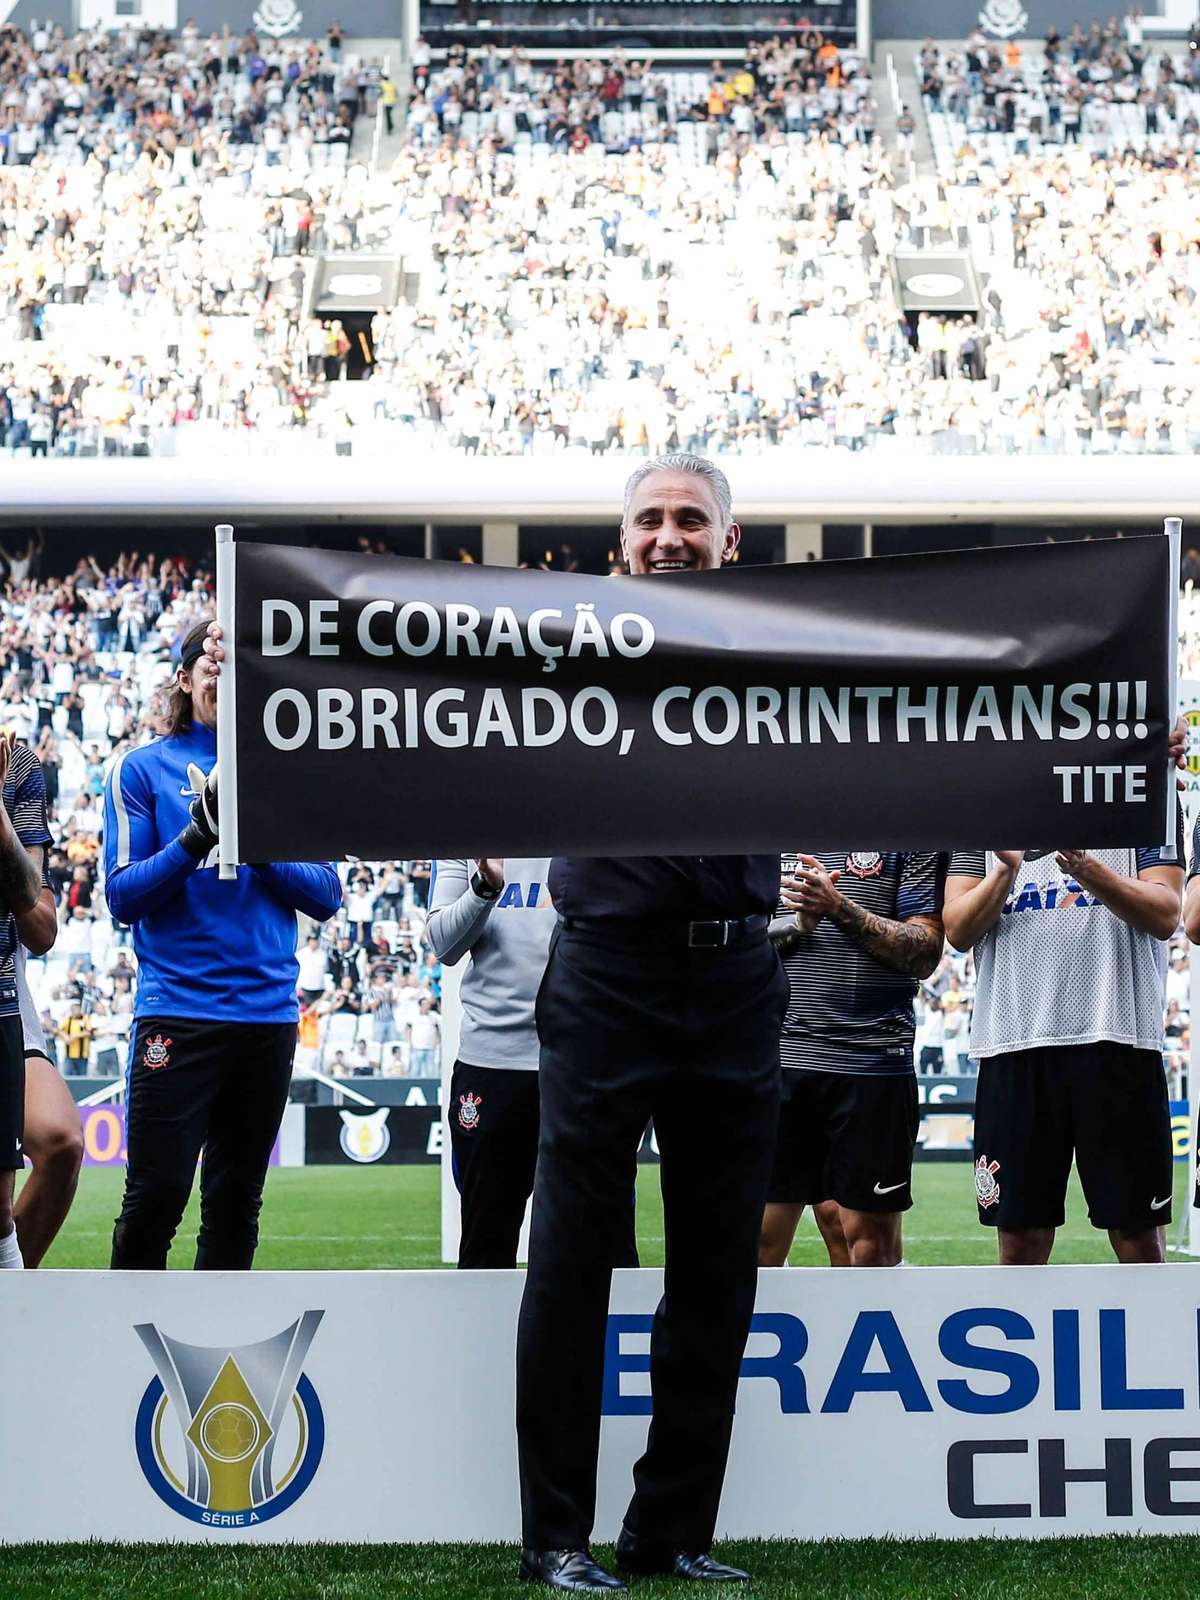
20	878
913	948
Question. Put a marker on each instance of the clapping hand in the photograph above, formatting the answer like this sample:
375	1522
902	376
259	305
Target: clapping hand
810	892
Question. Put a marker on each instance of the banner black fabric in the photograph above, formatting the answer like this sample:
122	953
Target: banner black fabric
389	708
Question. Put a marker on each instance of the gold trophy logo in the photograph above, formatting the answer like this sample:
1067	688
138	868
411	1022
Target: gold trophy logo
230	1432
211	1422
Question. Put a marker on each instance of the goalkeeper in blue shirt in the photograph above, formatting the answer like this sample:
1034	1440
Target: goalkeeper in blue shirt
215	1015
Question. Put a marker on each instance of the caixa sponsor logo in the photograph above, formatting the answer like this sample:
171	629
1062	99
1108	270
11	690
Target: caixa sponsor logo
990	1363
230	1435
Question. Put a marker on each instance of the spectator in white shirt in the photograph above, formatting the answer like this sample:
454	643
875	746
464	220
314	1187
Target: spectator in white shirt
424	1040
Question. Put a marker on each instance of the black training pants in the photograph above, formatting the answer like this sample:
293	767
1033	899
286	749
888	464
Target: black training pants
494	1138
220	1087
493	1135
690	1038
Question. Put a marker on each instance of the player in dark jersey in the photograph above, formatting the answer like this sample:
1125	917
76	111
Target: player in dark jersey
865	928
24	835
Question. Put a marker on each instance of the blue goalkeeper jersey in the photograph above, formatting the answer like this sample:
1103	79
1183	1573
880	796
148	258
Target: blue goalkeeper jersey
209	949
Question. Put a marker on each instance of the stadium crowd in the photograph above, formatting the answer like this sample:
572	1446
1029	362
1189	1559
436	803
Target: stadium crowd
1070	172
612	255
1100	87
84	664
158	196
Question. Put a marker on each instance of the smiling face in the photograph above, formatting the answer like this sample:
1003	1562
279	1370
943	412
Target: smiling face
673	524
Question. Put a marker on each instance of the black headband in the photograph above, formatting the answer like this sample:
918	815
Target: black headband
192	652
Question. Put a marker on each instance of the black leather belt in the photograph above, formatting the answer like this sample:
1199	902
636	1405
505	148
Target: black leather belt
669	932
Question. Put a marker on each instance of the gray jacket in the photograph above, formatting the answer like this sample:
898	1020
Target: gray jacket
507	940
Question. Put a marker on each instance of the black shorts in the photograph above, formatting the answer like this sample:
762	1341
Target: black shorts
12	1094
846	1136
1104	1103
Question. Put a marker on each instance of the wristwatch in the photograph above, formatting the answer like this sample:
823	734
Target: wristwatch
482	888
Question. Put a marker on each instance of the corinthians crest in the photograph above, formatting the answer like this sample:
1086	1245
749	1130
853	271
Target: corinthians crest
278	17
230	1436
1004	18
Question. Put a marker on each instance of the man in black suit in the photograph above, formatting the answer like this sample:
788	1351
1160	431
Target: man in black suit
662	998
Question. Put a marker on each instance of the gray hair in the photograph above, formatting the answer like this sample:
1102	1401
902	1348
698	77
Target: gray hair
680	461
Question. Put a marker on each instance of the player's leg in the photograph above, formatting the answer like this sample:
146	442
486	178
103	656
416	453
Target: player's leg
779	1225
1025	1247
797	1169
873	1121
243	1126
1134	1246
173	1078
1023	1147
12	1132
54	1144
493	1135
1122	1121
872	1237
827	1215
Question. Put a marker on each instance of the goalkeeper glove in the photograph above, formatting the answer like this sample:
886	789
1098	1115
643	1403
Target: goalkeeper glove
200	835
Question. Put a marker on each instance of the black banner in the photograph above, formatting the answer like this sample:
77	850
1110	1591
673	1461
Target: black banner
389	708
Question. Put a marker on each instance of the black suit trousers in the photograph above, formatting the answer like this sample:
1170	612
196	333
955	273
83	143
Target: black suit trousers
690	1038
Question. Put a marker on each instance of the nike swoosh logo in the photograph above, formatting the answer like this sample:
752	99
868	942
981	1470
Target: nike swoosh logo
879	1188
188	792
1157	1205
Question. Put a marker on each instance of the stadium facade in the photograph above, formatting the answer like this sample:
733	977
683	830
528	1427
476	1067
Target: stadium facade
792	505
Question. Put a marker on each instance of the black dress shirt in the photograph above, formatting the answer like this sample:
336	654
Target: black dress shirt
690	888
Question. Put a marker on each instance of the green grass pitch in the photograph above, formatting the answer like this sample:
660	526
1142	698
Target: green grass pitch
355	1217
342	1217
1116	1568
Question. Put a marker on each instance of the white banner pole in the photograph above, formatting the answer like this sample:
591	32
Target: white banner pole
227	817
1173	528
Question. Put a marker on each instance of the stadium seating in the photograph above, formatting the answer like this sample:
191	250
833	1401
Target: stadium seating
579	269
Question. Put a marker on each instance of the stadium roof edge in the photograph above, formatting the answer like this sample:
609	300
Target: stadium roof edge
806	485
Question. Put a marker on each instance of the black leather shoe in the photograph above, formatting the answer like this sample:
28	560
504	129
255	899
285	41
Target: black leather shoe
573	1570
647	1559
